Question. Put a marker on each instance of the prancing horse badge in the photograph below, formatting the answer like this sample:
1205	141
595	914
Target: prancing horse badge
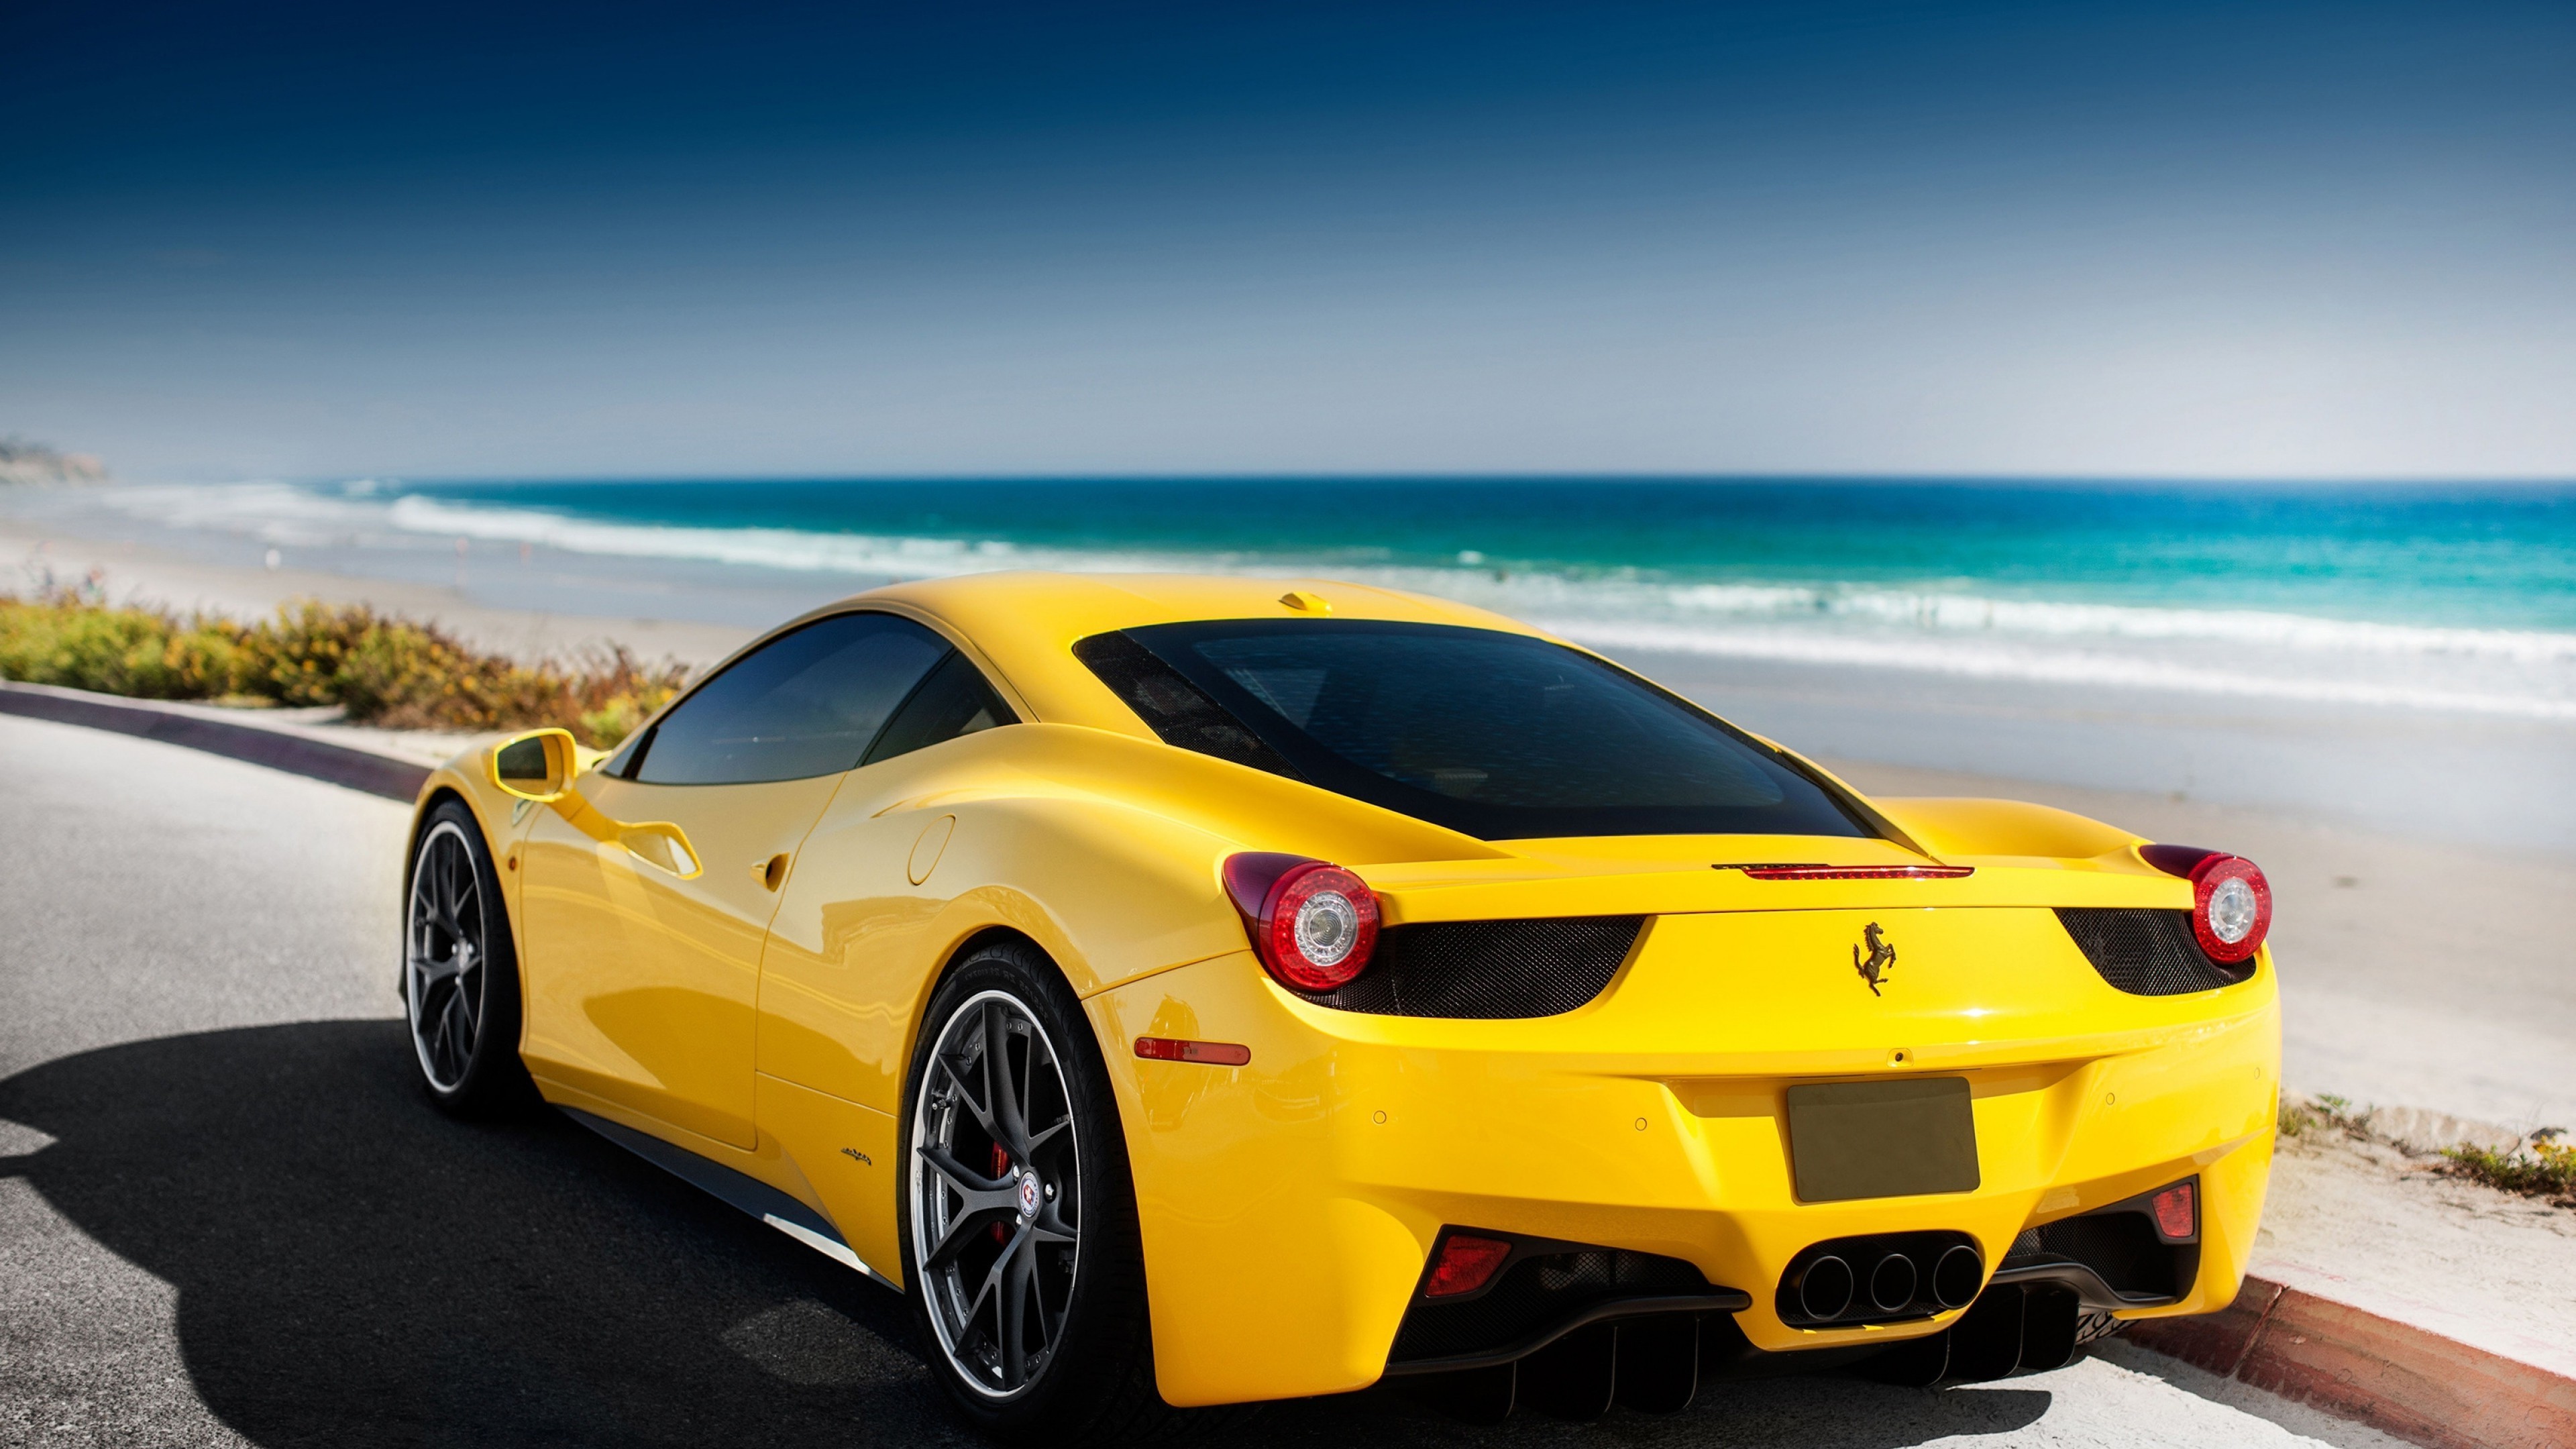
1881	959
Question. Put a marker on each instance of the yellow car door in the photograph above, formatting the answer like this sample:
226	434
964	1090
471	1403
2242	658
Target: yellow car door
650	886
846	957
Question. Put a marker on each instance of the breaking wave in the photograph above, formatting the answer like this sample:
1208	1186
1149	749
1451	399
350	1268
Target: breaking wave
2249	653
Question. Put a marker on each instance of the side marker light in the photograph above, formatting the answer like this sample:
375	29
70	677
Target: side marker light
1465	1263
1213	1053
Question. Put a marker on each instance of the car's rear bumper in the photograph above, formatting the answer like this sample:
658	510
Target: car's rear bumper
1288	1206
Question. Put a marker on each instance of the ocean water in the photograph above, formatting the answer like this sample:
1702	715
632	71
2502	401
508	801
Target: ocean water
2450	600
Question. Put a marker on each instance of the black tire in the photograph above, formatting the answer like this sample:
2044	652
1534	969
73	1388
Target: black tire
461	971
1091	1379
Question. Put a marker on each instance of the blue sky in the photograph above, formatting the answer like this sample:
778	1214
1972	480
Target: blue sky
2258	240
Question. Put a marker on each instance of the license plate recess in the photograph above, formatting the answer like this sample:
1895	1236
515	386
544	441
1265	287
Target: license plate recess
1881	1139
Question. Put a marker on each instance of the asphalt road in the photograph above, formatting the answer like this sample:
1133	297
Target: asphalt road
227	1216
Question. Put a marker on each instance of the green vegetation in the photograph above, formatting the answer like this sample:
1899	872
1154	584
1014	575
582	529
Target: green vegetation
382	671
2323	1112
2543	1167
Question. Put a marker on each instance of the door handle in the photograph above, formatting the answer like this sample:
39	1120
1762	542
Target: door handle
659	843
663	844
771	873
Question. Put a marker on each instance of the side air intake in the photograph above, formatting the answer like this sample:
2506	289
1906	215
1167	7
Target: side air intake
2147	952
1489	970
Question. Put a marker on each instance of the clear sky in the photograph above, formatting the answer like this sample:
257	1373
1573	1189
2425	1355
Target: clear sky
2244	240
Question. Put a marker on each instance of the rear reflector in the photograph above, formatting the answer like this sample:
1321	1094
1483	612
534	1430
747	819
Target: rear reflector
2177	1211
1465	1262
1213	1053
1852	872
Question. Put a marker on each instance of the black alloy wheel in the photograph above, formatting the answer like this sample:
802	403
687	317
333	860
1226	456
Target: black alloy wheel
1019	1226
460	975
997	1183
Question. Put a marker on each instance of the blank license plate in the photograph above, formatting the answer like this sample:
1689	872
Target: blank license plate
1881	1139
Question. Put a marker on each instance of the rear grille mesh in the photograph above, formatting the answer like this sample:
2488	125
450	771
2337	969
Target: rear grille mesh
1490	970
2147	953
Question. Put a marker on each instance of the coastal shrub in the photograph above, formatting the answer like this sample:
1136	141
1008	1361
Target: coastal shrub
2542	1167
123	653
380	670
299	658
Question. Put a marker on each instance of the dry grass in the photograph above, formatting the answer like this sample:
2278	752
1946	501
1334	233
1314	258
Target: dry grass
380	669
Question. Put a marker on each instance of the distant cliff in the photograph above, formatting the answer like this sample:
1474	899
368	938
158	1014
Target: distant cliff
25	462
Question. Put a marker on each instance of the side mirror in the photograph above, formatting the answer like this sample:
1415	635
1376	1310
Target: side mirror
538	765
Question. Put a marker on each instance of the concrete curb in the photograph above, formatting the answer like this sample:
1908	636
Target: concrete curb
2290	1333
391	776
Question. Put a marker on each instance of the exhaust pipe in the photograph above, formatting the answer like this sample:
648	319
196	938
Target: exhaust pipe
1825	1289
1891	1283
1958	1276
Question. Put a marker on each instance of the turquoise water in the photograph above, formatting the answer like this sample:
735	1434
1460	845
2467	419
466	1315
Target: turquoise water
2458	599
2496	558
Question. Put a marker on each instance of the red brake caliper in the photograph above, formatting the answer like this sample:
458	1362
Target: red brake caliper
1001	1164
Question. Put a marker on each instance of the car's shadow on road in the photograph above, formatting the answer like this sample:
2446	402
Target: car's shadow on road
354	1269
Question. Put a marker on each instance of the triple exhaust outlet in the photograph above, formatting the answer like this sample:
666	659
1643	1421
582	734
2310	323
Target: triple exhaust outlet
1885	1276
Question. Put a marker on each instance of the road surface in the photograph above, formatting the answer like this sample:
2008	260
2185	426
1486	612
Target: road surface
227	1217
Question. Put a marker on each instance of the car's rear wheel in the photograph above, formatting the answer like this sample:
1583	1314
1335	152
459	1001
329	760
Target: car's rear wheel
460	973
1019	1216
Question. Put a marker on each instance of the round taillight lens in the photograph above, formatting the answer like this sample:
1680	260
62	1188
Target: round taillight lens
1314	925
2231	907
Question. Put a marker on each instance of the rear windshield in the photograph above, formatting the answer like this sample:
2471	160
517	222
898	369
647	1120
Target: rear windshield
1495	735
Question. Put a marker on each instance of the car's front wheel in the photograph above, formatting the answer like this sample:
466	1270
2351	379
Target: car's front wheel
460	973
1019	1217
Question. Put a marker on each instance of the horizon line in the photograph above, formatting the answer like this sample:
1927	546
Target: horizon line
2120	480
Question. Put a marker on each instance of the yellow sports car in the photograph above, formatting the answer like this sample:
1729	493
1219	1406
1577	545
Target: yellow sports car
1190	993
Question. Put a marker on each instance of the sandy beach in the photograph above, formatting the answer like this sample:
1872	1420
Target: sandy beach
132	572
2420	967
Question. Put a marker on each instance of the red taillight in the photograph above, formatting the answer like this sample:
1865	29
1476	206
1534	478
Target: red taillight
2231	907
1313	924
1464	1264
2177	1210
2231	902
2179	860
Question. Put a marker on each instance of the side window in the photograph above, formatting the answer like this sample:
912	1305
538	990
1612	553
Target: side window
804	704
953	701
